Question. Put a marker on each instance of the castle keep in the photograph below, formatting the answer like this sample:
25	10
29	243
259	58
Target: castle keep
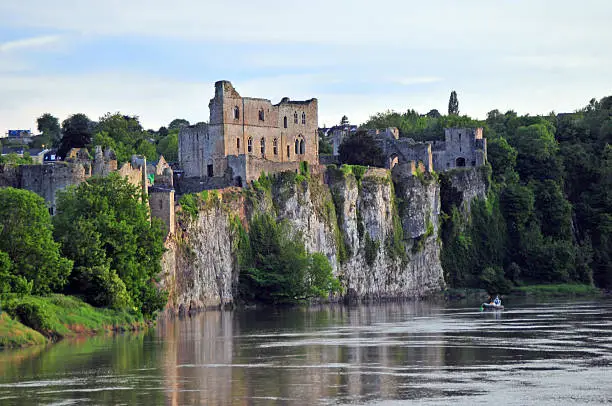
246	136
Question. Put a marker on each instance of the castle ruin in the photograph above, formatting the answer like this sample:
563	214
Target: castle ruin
462	147
247	136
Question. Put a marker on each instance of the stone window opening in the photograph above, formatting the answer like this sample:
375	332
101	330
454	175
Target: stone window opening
304	118
460	162
297	147
275	146
263	146
285	122
288	152
209	170
250	144
261	115
236	113
302	147
295	118
238	144
473	163
161	204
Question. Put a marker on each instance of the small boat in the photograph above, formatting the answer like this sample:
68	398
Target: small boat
491	306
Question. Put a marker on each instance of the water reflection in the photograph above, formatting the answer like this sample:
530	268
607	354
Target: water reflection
379	354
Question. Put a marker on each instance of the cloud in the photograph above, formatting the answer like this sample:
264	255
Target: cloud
33	42
417	80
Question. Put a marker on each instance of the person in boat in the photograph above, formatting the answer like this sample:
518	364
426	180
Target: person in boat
497	301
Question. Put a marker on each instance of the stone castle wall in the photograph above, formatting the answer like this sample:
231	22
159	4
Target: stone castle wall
269	135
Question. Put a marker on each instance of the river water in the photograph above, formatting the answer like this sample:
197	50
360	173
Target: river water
554	353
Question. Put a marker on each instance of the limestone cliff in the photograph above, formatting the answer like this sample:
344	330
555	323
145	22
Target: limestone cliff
380	233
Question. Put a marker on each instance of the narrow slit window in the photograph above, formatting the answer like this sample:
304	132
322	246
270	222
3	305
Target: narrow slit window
250	145
263	146
295	117
275	146
236	113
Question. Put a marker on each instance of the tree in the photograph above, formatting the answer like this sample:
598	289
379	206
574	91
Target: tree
453	104
278	269
177	123
168	146
125	136
76	131
50	128
344	120
103	225
26	236
434	113
361	149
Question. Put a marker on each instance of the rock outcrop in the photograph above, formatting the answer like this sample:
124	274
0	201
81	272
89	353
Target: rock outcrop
379	231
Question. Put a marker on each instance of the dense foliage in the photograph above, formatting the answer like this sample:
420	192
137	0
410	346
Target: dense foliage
360	149
76	133
30	260
277	269
548	217
103	225
419	127
50	129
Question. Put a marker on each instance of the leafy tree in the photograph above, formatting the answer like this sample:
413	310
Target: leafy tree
325	148
361	149
76	131
502	157
26	236
168	146
277	268
103	225
177	123
125	136
434	113
14	159
344	120
453	104
50	128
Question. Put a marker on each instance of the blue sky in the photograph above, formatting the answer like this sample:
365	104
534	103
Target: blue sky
159	59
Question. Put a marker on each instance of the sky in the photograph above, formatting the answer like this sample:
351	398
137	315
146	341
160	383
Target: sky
159	59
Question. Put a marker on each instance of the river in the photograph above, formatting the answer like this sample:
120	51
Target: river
553	353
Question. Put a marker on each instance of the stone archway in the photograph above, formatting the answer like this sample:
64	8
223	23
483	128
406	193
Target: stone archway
460	162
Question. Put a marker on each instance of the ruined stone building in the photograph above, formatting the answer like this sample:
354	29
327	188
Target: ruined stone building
47	179
247	136
462	147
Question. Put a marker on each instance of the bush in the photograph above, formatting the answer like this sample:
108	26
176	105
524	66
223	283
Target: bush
100	286
33	314
275	267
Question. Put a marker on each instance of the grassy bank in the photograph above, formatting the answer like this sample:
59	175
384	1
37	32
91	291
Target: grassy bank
29	320
558	290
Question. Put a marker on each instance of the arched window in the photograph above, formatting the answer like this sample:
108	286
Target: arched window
275	146
297	147
261	115
295	117
236	113
238	144
250	145
303	118
263	145
285	122
302	147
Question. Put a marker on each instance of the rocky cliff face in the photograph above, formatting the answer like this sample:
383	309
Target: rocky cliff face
380	233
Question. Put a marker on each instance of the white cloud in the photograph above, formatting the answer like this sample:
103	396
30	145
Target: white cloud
26	43
417	80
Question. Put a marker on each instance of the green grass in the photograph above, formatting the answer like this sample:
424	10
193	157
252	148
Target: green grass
15	334
564	289
58	316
